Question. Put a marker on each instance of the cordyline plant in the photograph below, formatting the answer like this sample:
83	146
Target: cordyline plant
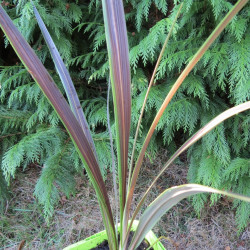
72	116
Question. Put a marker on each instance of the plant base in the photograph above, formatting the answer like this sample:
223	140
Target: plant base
94	240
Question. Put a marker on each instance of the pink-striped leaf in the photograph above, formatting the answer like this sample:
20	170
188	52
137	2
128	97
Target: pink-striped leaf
66	80
117	43
54	96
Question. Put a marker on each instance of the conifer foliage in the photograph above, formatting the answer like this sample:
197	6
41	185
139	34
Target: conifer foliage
32	133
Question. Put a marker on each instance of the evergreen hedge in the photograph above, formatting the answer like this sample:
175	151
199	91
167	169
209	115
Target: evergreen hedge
31	133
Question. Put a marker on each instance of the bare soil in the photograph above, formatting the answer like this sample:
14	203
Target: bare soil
79	217
105	245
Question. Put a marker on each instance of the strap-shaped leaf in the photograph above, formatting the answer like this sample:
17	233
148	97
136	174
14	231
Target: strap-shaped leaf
117	43
149	87
54	96
167	200
66	80
197	136
237	7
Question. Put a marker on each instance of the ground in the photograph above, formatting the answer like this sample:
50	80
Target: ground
78	217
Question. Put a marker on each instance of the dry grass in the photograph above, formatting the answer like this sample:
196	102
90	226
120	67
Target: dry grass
79	217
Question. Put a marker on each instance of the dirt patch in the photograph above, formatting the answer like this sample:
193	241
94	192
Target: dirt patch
105	246
79	217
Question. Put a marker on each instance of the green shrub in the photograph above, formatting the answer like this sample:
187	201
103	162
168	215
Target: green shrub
31	131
